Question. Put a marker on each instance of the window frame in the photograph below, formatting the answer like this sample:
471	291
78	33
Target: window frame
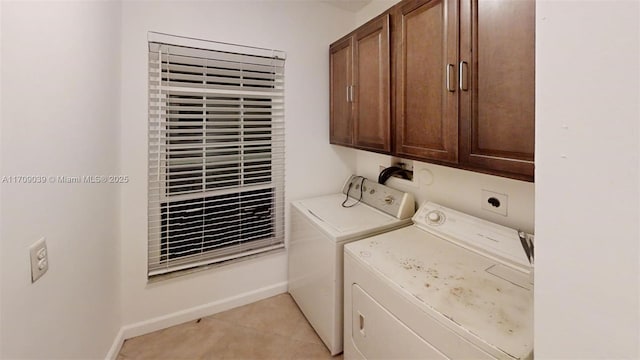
272	148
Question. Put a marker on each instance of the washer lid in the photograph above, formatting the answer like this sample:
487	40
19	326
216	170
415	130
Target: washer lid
342	223
455	285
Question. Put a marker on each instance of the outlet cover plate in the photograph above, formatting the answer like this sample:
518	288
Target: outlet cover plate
39	259
498	204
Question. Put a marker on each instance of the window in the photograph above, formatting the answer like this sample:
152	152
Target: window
216	152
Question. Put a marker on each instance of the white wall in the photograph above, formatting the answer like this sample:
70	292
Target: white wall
303	30
59	111
371	10
587	239
458	189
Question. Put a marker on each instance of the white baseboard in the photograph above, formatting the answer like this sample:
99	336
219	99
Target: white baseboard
114	350
179	317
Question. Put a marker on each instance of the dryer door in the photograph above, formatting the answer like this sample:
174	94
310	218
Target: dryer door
378	334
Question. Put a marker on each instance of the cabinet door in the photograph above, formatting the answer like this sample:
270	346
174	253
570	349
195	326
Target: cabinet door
426	97
498	73
340	69
371	86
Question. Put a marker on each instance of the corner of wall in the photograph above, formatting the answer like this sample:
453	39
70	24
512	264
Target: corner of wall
118	340
372	9
1	236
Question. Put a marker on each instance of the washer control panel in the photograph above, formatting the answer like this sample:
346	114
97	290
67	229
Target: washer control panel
394	202
484	237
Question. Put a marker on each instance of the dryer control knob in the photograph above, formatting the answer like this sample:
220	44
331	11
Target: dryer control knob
434	216
389	199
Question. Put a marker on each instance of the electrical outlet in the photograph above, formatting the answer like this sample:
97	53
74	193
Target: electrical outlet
495	202
39	259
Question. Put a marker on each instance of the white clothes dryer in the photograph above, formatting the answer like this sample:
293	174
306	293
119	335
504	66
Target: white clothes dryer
451	286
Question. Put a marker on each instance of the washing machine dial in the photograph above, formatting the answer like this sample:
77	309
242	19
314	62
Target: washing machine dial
435	217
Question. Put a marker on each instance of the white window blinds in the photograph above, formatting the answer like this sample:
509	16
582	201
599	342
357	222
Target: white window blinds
216	153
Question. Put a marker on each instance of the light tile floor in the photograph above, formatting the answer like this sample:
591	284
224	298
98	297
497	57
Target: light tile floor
273	328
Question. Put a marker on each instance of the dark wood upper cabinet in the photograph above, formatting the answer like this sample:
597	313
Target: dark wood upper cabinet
426	116
497	60
461	92
372	118
360	88
340	63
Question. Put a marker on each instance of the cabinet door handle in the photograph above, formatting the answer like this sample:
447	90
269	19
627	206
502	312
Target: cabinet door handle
351	92
464	85
450	82
348	92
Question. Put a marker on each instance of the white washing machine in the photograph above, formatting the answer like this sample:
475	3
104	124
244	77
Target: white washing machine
319	229
451	286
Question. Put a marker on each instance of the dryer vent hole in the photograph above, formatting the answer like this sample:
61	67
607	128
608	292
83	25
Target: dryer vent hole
494	202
